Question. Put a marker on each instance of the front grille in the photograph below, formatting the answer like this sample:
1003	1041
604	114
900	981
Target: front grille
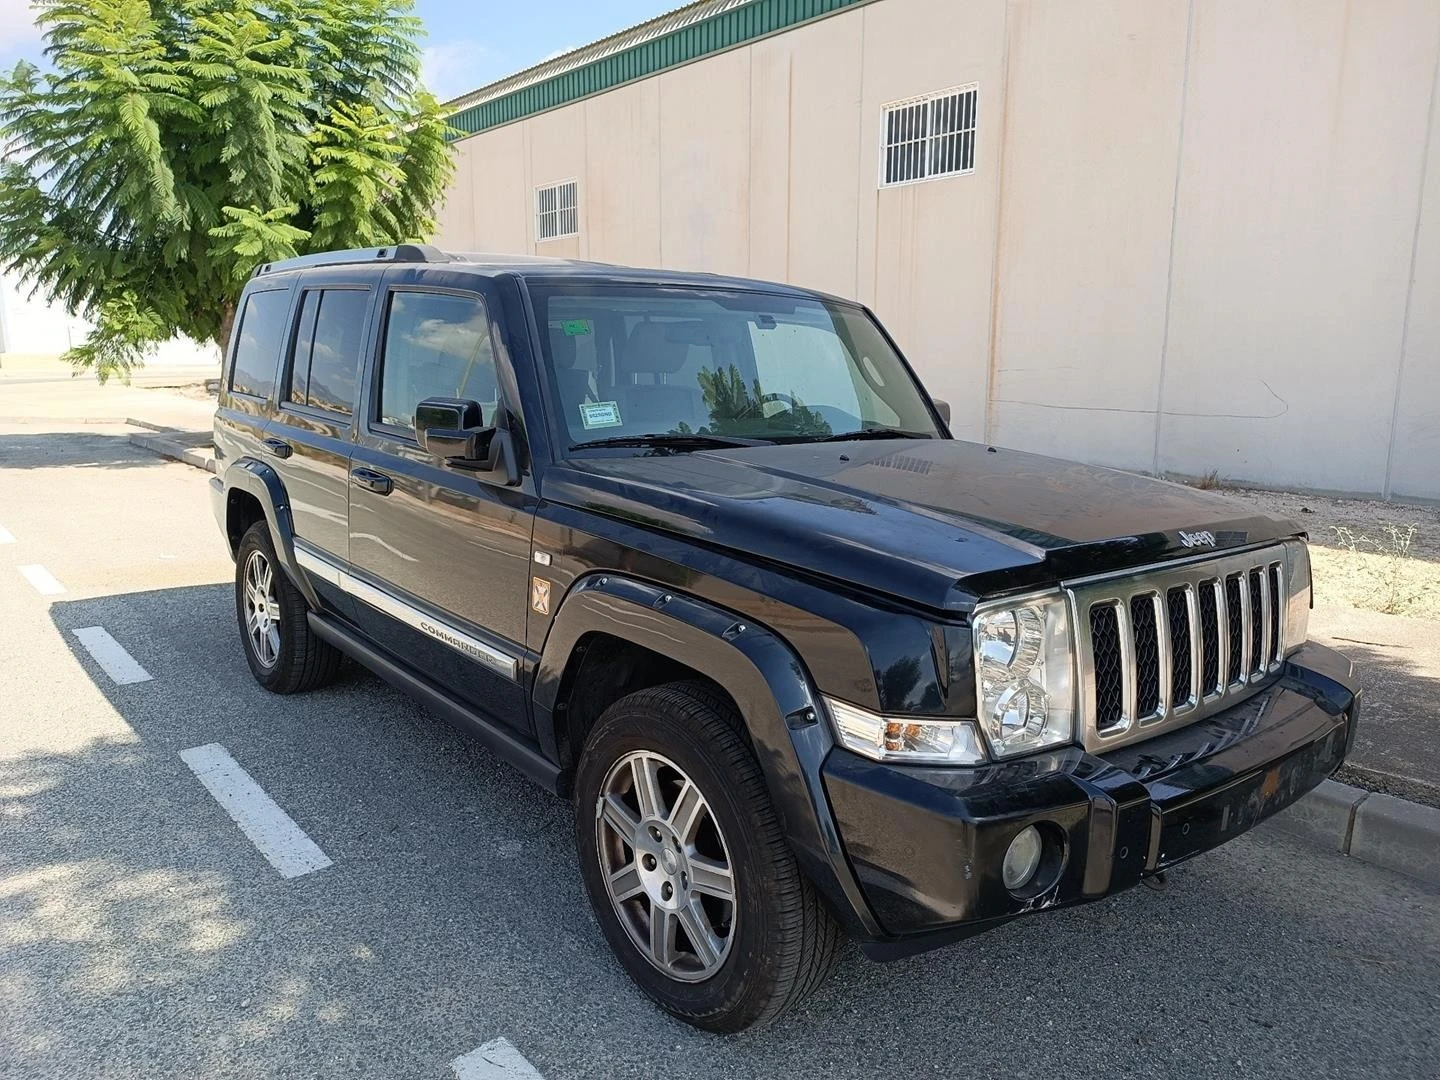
1154	645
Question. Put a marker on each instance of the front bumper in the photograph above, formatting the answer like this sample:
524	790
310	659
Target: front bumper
927	844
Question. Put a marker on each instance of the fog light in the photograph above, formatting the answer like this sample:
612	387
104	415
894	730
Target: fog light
1022	859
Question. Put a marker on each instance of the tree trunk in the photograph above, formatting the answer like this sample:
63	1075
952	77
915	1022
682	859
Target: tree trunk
227	324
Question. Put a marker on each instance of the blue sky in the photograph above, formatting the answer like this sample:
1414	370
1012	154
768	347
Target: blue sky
470	42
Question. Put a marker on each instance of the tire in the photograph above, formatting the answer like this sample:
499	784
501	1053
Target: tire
284	654
773	942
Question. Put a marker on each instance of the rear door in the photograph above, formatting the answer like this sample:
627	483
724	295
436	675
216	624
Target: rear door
442	553
252	371
312	433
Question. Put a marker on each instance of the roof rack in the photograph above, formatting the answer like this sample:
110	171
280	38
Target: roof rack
397	253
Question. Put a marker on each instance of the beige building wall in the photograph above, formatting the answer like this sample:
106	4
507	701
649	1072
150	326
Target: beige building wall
1200	234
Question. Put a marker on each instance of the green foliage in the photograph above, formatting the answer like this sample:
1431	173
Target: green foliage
737	409
178	143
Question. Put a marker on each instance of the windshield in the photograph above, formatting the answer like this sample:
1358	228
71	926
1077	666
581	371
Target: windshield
632	361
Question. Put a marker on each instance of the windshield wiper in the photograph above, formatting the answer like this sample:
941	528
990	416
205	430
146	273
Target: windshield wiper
673	441
873	433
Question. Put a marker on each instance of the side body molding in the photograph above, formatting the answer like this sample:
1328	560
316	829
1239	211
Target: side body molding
260	480
768	683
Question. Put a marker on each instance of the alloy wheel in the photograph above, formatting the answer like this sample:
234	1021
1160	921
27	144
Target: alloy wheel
666	867
262	609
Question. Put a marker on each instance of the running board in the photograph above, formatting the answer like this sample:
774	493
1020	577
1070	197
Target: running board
498	741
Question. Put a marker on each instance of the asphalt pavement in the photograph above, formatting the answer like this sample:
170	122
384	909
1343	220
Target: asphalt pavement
142	933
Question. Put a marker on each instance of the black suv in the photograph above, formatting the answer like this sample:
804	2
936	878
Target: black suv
701	554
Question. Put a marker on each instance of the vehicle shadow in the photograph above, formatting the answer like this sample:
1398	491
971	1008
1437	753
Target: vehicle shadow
74	449
453	913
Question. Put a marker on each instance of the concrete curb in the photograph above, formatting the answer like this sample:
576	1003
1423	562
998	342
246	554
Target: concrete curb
1377	829
149	425
179	445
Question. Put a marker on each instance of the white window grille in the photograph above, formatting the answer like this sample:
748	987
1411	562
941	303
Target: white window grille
928	137
556	211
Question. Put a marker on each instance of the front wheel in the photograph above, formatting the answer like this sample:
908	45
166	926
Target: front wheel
687	868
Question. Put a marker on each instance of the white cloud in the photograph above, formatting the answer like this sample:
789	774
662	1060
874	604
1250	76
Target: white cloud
17	25
557	54
451	69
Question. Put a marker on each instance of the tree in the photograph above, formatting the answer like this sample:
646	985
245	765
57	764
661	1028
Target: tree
176	144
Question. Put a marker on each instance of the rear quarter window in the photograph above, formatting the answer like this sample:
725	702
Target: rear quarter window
259	342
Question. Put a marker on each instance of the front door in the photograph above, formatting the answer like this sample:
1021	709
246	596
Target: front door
442	554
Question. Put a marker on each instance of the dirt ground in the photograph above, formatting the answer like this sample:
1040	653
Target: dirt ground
1359	552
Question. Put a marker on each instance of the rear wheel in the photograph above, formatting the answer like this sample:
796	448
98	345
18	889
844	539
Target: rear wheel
284	654
687	869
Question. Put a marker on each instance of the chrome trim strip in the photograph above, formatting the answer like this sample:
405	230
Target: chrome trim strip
1247	627
1280	593
1127	669
319	566
467	645
1222	638
1197	658
1265	643
1165	688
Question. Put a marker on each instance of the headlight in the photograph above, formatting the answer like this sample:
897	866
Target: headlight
904	739
1024	674
1297	588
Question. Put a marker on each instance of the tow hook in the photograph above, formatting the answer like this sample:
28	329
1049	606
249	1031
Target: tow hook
1156	881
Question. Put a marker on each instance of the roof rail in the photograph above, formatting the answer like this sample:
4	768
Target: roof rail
397	253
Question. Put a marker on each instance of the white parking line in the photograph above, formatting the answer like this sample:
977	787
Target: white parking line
111	655
282	842
496	1060
42	579
6	536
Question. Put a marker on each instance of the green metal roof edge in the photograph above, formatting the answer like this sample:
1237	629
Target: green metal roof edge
724	30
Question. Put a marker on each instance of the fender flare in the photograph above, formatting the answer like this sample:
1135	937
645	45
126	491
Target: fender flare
767	680
260	481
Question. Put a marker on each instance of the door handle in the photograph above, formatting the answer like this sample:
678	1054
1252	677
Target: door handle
371	480
279	447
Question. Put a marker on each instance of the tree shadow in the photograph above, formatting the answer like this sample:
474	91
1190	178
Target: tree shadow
1397	741
74	449
142	934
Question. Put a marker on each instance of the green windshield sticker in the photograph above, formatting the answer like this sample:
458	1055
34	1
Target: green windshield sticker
601	414
576	327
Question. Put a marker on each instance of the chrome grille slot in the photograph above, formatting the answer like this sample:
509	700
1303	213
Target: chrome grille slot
1210	637
1171	644
1147	654
1107	678
1259	623
1276	577
1180	601
1235	604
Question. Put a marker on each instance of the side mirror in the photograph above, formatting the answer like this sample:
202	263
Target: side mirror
943	408
451	428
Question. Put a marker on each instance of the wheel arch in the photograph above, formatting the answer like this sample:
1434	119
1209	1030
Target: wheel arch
251	484
750	664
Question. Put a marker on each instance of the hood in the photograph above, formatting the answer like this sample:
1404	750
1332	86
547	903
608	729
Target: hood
938	522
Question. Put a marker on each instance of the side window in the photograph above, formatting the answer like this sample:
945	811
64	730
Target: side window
436	345
304	343
327	349
257	349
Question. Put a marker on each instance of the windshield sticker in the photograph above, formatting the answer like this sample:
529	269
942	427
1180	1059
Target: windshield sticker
600	414
576	327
